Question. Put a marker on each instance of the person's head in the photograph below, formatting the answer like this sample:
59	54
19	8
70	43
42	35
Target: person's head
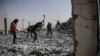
15	21
57	20
50	23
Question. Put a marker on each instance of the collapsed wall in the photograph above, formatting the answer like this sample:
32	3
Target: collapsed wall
85	26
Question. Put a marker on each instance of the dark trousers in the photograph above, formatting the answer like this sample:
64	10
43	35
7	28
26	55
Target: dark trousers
35	37
14	36
49	31
29	32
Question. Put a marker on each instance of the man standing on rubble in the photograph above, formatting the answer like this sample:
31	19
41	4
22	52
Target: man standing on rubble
13	29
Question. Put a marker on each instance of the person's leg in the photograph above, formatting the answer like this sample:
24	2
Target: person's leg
28	34
35	37
10	32
47	32
14	36
51	31
31	33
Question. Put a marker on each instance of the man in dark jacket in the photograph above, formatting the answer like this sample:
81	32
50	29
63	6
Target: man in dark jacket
13	29
49	28
57	24
32	29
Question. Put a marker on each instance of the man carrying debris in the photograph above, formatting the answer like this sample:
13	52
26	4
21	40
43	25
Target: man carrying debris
32	29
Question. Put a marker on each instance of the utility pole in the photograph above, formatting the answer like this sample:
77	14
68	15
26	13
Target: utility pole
22	23
44	17
28	23
5	23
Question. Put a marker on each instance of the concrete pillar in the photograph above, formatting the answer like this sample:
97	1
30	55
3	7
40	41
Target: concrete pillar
5	25
85	26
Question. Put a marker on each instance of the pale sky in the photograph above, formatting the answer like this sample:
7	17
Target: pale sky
33	10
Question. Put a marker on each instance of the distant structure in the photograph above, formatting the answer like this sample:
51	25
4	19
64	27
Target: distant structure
65	26
5	25
70	25
28	23
44	16
22	24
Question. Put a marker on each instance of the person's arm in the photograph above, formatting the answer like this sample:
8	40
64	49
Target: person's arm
42	20
42	24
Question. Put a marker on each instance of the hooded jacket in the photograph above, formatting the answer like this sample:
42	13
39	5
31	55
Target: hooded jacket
13	26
